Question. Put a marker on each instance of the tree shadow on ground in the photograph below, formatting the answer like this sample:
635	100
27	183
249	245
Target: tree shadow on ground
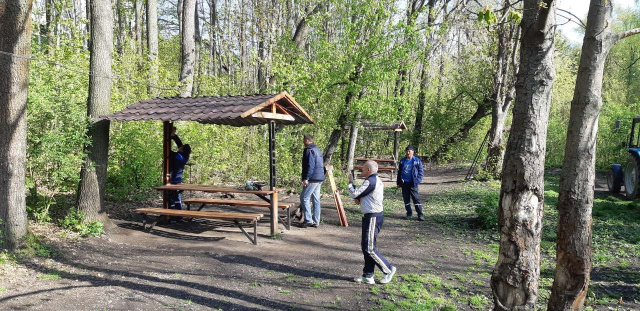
139	282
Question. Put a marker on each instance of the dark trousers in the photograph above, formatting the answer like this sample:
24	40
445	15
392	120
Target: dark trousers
371	225
409	192
175	199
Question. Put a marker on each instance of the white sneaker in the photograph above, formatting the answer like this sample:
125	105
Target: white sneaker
364	280
387	277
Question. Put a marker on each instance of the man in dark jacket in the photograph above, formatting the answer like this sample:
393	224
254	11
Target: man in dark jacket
312	178
177	160
410	173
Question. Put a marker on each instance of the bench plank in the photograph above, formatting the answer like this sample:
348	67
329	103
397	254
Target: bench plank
380	168
377	160
286	206
281	205
235	217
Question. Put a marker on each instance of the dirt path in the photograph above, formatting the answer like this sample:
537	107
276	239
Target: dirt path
211	265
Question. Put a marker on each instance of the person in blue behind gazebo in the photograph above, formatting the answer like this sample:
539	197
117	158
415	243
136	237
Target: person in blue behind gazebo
177	161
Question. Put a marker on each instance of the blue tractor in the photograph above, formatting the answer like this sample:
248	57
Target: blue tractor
629	173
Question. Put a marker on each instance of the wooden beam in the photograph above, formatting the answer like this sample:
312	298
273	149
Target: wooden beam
273	116
265	104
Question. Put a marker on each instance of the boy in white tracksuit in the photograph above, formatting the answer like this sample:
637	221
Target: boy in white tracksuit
370	195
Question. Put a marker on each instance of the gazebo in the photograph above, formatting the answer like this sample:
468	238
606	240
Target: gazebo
226	110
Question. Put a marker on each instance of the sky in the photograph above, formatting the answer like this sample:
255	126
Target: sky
580	9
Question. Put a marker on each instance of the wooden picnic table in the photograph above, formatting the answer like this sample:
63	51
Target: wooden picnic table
273	200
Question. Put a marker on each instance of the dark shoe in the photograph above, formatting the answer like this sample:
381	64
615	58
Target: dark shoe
305	225
408	217
314	225
421	218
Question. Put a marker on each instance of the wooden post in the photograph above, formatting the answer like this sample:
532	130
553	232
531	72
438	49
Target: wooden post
395	145
272	177
342	216
166	153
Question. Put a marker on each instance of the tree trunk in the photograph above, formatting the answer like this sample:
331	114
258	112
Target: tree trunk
576	192
481	111
213	30
120	33
336	134
94	170
515	277
302	28
179	13
15	31
87	8
422	102
501	97
188	47
152	45
48	33
138	25
198	56
351	150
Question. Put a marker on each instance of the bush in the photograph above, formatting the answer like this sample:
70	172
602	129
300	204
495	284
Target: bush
74	221
488	211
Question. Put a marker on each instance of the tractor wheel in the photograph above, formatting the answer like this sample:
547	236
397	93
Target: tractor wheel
615	178
632	177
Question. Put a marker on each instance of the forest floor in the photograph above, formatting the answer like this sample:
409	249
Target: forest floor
444	263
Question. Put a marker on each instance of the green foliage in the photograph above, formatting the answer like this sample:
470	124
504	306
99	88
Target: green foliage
487	211
487	16
35	246
74	221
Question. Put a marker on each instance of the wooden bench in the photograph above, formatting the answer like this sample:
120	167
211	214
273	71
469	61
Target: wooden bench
286	206
235	217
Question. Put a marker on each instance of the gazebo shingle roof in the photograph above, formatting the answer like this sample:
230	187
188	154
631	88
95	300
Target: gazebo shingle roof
228	110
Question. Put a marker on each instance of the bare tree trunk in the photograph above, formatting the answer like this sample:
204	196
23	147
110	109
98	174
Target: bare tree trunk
575	200
180	9
94	170
501	97
15	34
422	102
138	25
515	277
482	111
48	24
120	33
198	56
351	150
213	30
188	47
87	8
302	28
152	44
336	134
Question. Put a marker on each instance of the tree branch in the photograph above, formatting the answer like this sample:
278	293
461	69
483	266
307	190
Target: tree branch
543	16
578	19
628	33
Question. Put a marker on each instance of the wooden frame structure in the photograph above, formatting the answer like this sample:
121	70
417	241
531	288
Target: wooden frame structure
395	127
237	111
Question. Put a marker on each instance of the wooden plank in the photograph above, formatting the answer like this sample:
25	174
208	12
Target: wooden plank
273	116
377	160
265	104
212	189
281	205
342	216
206	215
380	168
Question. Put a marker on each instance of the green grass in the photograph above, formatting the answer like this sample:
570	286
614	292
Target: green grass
616	250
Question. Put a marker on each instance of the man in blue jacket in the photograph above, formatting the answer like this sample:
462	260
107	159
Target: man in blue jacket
410	173
312	178
177	161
